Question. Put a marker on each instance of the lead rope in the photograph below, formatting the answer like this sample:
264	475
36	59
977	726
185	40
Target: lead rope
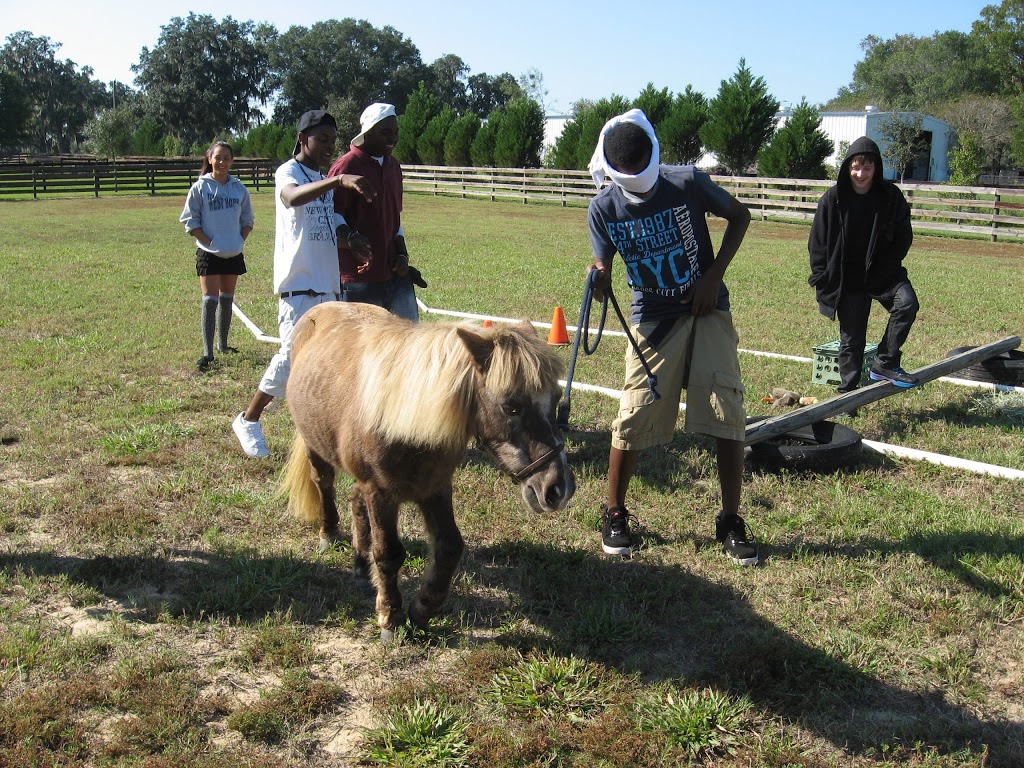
583	332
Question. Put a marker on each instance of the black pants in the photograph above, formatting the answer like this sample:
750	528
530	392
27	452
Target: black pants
900	302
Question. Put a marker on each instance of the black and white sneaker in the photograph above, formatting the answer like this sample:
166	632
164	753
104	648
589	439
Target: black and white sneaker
731	533
615	537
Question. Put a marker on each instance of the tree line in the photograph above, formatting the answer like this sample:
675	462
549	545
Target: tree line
207	79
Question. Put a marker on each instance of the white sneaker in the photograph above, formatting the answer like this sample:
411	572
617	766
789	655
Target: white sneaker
250	435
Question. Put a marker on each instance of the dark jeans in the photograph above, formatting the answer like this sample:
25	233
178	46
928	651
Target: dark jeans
397	296
900	302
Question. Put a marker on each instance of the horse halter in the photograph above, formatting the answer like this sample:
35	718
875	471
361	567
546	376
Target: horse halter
529	469
520	475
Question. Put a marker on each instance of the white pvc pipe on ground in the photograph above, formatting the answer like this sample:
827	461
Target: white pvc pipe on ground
977	467
909	453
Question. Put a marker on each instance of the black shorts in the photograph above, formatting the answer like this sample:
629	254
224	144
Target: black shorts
212	264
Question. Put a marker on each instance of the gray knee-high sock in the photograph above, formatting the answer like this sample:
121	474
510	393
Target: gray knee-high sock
208	323
224	319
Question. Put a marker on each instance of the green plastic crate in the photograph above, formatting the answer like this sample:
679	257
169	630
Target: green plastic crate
826	364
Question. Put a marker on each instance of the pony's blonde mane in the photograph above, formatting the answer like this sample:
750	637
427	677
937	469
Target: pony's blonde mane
522	362
417	381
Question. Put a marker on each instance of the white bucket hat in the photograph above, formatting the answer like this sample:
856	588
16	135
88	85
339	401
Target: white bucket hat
372	115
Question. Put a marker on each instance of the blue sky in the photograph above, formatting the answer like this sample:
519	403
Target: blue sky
591	49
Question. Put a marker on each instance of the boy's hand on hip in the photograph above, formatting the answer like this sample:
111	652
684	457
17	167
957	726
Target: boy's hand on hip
705	296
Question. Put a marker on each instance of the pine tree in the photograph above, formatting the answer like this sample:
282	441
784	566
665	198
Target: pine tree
520	137
423	106
679	132
482	149
798	150
742	119
459	140
430	144
655	104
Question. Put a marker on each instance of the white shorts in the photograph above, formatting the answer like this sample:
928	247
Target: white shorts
289	311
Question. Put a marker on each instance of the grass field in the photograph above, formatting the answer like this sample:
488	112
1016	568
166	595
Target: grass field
158	608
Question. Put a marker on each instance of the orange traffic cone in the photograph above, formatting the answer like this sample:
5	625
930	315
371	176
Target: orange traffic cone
488	323
558	334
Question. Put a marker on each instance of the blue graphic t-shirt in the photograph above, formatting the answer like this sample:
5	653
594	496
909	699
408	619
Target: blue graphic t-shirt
663	241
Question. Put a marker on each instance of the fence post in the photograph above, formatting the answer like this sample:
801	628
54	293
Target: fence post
35	183
995	212
525	190
96	179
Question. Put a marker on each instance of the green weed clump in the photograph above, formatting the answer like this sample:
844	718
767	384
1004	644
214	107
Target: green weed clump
424	734
700	723
551	686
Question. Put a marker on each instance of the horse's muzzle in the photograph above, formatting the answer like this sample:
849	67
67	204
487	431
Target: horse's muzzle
550	485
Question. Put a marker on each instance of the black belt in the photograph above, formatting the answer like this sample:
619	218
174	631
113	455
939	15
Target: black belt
309	292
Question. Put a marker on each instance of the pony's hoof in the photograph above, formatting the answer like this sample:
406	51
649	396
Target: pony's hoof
418	621
326	545
387	636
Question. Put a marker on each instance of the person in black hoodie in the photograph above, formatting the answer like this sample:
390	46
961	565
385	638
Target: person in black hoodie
859	238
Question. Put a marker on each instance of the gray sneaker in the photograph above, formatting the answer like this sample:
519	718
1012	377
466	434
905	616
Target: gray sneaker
895	375
250	435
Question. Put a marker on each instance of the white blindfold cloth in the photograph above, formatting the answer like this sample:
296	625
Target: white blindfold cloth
600	169
372	115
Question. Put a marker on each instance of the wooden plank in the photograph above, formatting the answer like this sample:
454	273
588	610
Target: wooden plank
787	422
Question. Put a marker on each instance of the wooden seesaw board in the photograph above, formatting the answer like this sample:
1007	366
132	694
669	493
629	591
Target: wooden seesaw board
779	425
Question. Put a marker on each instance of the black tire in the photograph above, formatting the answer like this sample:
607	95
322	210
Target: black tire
824	446
1006	368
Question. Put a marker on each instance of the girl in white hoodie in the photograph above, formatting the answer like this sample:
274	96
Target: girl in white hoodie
218	214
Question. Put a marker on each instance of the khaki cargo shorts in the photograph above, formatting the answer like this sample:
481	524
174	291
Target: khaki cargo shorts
714	396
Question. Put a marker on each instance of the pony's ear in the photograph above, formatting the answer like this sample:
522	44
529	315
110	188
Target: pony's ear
479	347
525	327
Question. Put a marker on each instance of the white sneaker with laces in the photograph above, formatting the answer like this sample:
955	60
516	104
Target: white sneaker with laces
250	435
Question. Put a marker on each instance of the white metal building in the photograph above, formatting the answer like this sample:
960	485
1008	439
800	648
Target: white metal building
848	126
553	127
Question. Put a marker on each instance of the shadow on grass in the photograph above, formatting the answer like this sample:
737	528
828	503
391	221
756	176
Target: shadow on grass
195	586
663	623
659	623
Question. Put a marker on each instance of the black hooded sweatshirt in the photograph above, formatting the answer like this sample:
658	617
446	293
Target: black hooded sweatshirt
884	241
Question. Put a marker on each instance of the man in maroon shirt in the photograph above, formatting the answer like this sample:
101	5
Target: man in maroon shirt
386	279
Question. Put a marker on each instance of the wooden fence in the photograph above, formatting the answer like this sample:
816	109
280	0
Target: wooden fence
992	212
989	211
64	175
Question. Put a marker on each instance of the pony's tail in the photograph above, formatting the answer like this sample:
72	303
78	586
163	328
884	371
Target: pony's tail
297	484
